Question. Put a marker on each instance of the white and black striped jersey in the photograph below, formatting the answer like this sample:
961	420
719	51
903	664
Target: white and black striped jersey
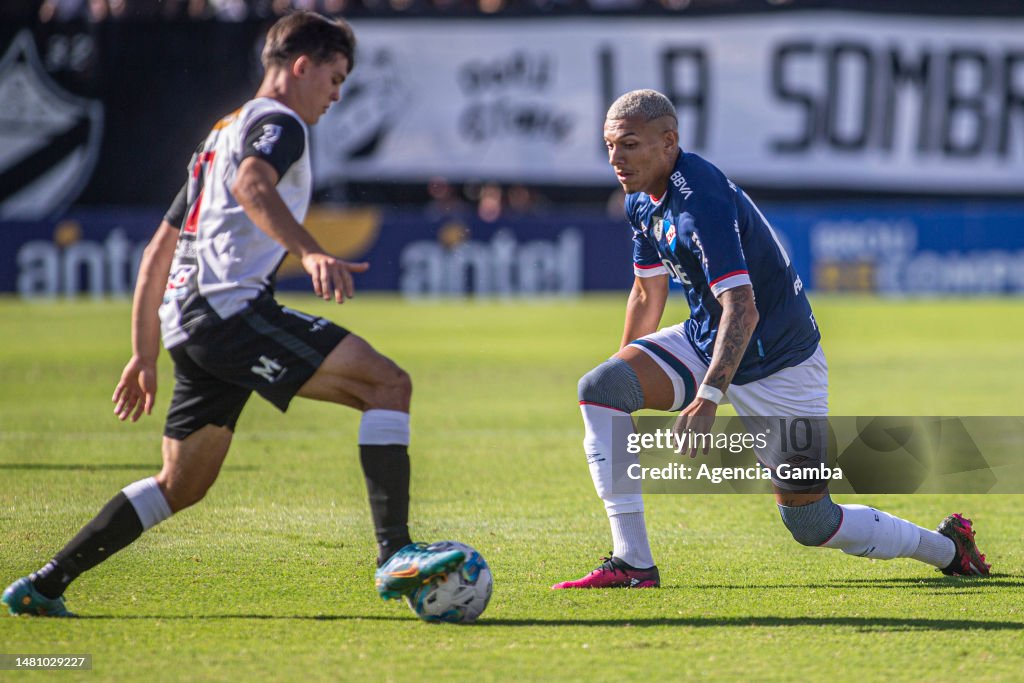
223	261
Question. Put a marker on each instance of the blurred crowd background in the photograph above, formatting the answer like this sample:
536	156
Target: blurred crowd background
246	10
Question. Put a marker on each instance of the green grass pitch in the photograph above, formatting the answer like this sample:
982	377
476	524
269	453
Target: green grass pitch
270	578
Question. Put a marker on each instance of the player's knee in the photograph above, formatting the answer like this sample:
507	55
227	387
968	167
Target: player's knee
613	383
393	390
401	383
813	524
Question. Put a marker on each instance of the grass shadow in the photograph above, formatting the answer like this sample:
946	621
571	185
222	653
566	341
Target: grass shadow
867	624
936	583
243	617
889	624
991	580
66	466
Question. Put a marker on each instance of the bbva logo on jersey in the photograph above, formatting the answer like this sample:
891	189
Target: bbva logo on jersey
680	183
50	138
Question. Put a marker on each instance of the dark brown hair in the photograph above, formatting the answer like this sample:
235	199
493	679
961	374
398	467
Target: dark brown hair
311	34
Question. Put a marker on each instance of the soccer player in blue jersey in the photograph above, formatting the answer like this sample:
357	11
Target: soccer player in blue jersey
751	339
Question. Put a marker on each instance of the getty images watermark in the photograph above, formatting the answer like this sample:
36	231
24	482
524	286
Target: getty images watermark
876	454
693	443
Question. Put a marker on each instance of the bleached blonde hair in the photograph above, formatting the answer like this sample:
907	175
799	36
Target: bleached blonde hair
643	104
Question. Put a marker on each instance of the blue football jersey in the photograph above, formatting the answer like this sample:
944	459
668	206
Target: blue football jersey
707	234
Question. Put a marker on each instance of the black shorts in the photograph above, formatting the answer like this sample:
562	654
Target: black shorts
265	348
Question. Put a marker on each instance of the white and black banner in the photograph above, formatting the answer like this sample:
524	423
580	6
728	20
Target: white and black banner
798	100
49	138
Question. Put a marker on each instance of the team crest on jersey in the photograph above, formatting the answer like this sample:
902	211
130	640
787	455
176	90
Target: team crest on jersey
271	134
50	138
670	234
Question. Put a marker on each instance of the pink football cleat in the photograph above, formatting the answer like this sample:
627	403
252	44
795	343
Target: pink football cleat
968	560
614	573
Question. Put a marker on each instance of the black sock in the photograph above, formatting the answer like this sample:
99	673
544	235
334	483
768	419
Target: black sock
113	528
386	469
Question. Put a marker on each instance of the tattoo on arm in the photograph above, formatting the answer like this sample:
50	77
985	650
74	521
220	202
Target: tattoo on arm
737	325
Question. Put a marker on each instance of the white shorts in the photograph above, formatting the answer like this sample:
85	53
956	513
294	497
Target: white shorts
799	391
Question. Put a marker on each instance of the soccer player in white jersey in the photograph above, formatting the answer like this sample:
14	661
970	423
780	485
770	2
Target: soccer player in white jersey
206	283
751	339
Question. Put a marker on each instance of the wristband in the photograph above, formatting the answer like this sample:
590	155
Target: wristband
710	393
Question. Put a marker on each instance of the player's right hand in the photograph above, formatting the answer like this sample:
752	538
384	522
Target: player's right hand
697	418
136	390
332	276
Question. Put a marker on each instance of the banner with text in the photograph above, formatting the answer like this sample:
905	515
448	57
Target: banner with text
892	248
808	100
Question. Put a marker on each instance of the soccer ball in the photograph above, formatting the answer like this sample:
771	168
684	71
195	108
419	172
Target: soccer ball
459	596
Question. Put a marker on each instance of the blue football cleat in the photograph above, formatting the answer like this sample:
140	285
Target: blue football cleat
413	566
22	598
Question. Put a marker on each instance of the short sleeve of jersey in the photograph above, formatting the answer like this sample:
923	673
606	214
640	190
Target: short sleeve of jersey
278	139
716	233
176	213
646	260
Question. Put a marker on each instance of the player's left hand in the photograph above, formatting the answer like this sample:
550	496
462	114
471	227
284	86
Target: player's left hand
696	418
331	276
136	390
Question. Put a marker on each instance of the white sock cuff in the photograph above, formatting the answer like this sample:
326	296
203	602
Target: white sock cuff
384	428
149	502
629	538
868	532
623	504
935	549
